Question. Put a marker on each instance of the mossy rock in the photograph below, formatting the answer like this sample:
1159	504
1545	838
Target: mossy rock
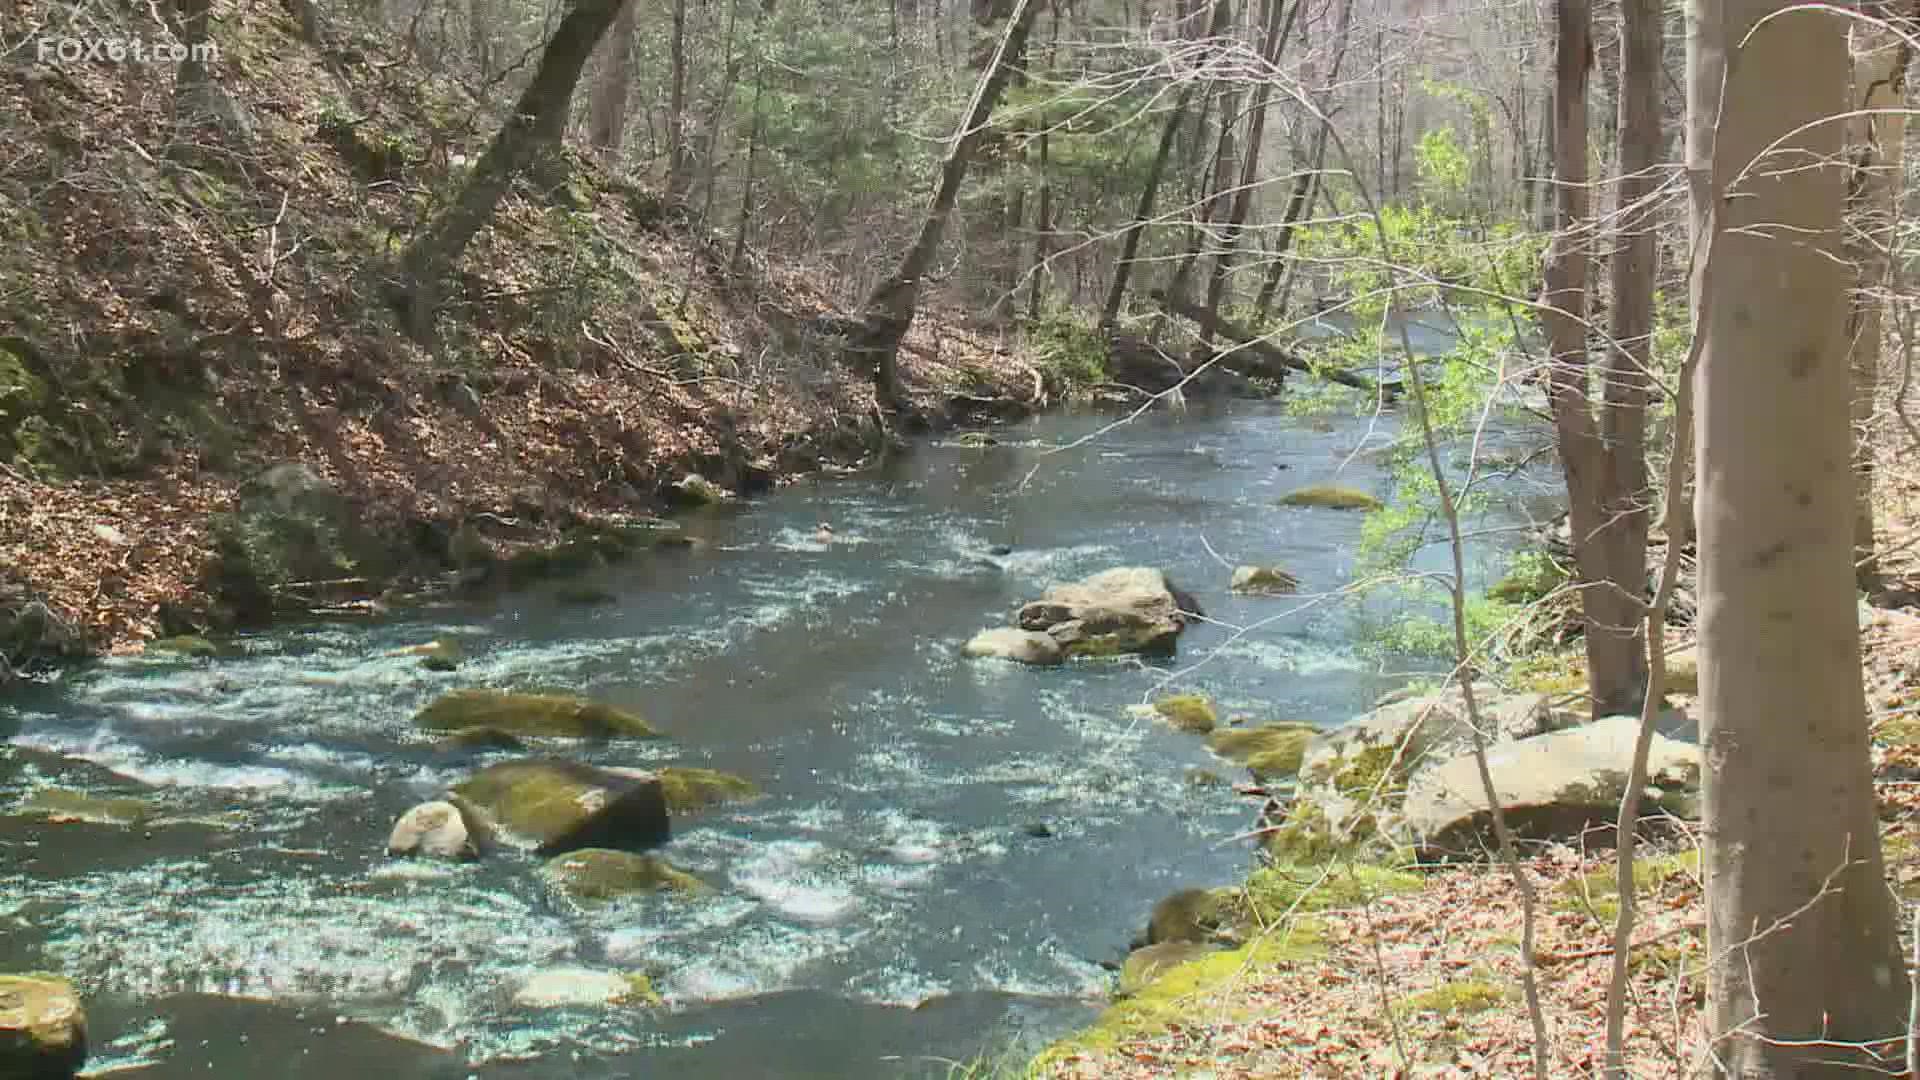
1309	837
61	806
1277	748
1191	915
975	440
184	645
1331	497
556	715
696	490
560	806
1187	712
1263	581
689	789
603	874
1145	964
43	1029
1462	998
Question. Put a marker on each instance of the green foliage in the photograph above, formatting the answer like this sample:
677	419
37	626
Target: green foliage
1414	633
1458	998
1069	350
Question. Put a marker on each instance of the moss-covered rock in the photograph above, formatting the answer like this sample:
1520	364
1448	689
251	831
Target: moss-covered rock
1187	712
1149	962
61	806
1284	889
43	1029
689	789
1129	609
584	988
603	874
975	440
183	645
1273	750
440	655
553	715
1462	998
696	490
561	806
1264	581
1013	643
1191	915
1332	497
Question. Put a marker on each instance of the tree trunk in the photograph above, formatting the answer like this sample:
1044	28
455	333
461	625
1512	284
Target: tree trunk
889	311
1042	236
1306	186
1273	44
1617	601
1706	72
1876	147
535	127
679	156
1614	662
607	116
1805	963
1130	237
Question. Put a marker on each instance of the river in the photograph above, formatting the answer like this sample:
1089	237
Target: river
884	909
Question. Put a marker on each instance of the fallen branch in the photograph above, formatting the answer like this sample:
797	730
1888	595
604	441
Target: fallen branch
1257	347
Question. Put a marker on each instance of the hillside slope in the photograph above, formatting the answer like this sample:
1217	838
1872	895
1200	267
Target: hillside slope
183	304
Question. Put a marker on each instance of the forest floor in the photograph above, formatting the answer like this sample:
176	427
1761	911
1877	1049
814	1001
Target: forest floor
1427	982
183	306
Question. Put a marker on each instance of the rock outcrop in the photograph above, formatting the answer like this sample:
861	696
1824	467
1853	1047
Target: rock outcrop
560	806
1129	609
43	1029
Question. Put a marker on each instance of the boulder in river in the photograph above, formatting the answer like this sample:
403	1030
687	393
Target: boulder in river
1264	581
435	830
1203	916
577	988
1129	609
696	490
1188	712
1013	643
559	715
1331	497
43	1030
1553	786
559	806
603	874
689	789
1271	751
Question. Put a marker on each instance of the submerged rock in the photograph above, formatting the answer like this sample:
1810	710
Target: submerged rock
1129	609
697	490
61	806
1554	786
603	874
689	789
435	830
43	1030
185	645
1187	712
441	655
1012	643
531	714
1264	581
975	439
560	806
576	988
1331	497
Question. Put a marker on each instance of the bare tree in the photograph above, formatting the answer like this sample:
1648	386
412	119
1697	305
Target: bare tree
1876	144
607	116
534	128
1806	975
679	158
889	311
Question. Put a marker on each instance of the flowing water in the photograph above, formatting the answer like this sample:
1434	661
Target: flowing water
886	907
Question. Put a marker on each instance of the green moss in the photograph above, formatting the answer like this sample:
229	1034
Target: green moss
1596	893
1188	712
689	789
1285	889
188	645
1373	768
1460	998
601	874
1332	497
1532	576
640	990
1550	673
1191	915
1144	965
1280	747
531	714
1173	996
